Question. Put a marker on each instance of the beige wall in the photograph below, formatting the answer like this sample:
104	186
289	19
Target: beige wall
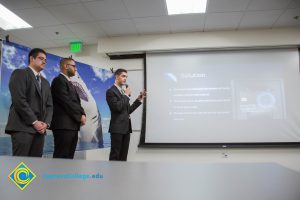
202	40
287	157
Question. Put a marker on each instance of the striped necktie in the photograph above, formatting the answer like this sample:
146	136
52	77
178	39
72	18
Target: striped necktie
122	91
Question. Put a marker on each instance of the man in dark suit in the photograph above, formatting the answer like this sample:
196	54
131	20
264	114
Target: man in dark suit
30	113
117	98
68	115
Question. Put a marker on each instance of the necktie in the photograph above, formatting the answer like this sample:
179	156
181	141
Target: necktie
79	90
122	92
38	78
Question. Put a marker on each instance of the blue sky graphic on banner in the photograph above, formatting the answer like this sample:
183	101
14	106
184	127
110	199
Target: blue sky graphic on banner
91	83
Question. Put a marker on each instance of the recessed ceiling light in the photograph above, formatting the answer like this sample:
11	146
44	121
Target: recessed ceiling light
176	7
9	20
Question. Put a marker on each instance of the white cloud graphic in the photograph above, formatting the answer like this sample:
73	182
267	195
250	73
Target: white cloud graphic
10	55
102	73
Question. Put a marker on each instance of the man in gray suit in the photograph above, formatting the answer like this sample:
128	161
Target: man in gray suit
31	109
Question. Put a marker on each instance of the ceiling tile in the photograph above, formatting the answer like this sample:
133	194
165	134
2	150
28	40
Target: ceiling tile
183	23
260	19
108	9
63	42
118	27
151	25
37	17
294	4
89	40
146	8
20	4
268	4
287	18
63	31
43	44
87	29
226	5
56	2
72	13
86	20
222	21
90	0
29	35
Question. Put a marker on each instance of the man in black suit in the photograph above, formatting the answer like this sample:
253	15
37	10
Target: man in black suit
68	115
117	98
31	110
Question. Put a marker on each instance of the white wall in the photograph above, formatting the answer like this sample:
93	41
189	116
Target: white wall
202	40
287	157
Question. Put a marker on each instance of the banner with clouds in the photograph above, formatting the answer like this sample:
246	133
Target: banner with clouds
91	84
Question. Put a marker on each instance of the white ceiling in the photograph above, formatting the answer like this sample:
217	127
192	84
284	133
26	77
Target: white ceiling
88	20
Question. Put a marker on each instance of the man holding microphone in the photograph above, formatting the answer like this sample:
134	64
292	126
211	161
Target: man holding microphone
117	98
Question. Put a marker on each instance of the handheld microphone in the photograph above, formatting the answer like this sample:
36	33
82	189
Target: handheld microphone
124	87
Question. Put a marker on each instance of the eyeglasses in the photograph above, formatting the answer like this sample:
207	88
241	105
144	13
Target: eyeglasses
72	65
42	59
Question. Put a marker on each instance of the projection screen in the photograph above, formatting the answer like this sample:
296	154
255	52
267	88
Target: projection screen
223	97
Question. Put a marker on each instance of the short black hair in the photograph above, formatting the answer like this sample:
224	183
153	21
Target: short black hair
64	60
34	52
120	71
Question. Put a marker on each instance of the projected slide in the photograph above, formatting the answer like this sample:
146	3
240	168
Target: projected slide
259	99
223	97
189	100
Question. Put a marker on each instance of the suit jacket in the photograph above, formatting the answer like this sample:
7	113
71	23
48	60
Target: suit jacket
120	109
29	102
67	109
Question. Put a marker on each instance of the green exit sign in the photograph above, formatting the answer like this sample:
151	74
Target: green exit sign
75	47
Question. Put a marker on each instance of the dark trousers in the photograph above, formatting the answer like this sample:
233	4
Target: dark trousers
65	142
119	146
27	144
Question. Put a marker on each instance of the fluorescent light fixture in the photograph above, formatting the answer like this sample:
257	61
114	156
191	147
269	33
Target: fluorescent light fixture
176	7
9	20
